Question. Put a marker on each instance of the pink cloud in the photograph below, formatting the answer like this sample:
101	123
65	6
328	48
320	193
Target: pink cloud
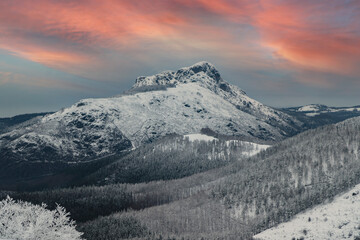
320	35
73	35
68	35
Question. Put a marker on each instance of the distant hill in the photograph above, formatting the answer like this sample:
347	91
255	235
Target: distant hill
316	115
6	123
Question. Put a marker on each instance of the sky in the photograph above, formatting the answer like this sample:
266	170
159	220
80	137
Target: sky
282	53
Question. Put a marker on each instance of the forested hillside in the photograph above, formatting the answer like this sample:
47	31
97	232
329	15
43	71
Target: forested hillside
173	157
233	202
294	175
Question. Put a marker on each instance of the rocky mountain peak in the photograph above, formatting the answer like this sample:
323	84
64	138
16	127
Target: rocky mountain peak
199	72
200	67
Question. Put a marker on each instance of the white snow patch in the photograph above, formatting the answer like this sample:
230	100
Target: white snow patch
252	148
339	219
349	109
312	114
199	137
308	108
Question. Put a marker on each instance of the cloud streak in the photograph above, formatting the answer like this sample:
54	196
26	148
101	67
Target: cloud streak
71	35
10	78
318	35
81	37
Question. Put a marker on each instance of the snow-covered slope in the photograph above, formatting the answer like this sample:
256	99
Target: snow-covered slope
197	99
207	76
251	148
199	137
339	219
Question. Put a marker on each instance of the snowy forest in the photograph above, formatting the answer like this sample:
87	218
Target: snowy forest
234	199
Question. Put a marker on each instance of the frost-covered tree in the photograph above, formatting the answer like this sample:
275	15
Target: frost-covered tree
23	220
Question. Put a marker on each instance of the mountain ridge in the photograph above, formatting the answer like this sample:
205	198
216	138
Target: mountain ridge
91	128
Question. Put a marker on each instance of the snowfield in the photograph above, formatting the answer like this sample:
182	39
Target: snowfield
207	76
199	137
339	219
185	109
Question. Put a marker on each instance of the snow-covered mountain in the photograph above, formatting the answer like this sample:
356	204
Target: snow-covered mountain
338	219
317	109
183	102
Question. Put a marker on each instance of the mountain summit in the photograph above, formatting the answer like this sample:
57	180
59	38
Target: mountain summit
199	72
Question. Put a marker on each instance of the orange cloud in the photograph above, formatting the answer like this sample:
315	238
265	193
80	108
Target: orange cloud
53	58
320	36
